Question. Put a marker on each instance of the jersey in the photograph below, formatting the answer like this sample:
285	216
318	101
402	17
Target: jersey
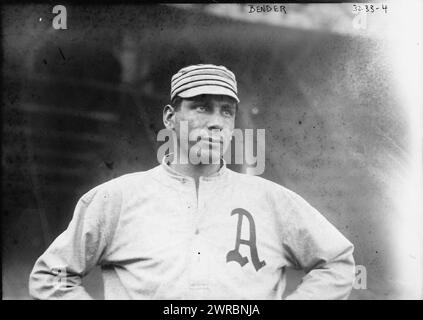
156	237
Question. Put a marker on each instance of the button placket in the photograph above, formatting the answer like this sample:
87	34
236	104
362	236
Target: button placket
199	268
203	193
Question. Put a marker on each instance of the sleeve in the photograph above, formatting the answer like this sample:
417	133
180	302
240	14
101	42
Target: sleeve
313	244
58	273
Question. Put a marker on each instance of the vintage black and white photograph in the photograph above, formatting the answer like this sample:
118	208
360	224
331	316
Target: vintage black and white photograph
212	151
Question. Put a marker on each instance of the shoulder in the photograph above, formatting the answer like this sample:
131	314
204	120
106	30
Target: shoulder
135	177
257	182
289	205
266	189
114	188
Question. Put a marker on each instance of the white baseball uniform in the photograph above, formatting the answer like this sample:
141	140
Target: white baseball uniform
156	239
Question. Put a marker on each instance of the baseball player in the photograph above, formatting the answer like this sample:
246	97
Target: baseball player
185	230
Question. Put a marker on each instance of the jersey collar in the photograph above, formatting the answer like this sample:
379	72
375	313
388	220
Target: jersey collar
179	176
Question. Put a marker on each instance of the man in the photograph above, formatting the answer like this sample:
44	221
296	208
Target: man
195	229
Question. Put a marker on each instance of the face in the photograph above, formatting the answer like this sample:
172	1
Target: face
209	121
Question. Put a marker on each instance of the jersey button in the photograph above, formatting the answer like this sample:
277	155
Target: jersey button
197	231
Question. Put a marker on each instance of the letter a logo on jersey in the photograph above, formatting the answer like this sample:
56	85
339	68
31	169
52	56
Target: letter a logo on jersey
234	255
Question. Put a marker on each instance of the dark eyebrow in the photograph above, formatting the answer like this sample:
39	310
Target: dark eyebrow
200	98
228	105
198	101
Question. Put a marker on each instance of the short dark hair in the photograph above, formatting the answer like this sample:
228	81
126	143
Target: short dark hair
177	101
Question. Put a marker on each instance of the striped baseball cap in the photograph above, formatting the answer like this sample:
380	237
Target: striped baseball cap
203	79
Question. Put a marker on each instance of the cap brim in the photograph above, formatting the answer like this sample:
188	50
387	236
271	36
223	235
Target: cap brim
217	90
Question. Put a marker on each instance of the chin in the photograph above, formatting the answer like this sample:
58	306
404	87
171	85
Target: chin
210	157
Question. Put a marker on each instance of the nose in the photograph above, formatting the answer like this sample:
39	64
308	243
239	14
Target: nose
215	122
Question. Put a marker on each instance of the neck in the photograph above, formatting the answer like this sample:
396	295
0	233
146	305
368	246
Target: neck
196	171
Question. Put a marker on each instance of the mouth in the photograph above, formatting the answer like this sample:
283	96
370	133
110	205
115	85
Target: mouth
214	140
211	140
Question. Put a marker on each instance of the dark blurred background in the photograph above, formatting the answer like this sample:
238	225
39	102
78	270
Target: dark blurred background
83	105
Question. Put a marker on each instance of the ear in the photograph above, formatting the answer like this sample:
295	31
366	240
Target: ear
169	117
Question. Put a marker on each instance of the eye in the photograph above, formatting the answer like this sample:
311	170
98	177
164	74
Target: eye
228	113
201	108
